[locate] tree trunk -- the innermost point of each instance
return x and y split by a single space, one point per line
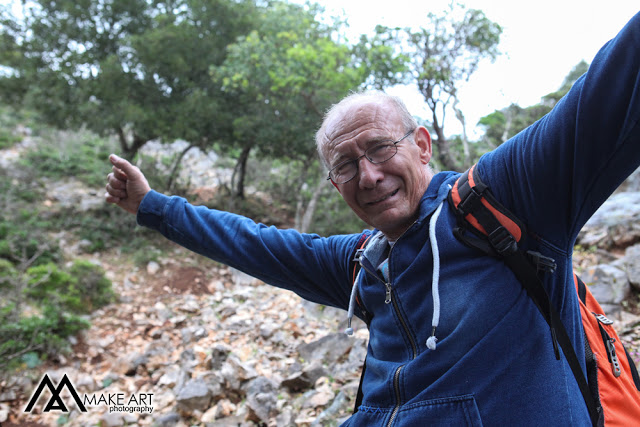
445 156
129 150
239 173
507 126
297 222
307 218
176 167
465 140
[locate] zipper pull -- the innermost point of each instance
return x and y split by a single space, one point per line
615 363
609 344
387 299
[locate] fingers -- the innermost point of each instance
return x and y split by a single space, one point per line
117 184
126 185
119 174
111 199
126 168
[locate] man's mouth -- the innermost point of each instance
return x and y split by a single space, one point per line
382 199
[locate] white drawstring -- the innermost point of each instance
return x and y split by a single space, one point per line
431 341
352 304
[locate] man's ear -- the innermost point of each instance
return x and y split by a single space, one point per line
423 141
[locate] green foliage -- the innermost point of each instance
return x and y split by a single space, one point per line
8 274
442 54
552 98
20 239
44 334
143 76
282 181
284 74
81 289
13 123
82 155
503 124
8 139
39 299
94 286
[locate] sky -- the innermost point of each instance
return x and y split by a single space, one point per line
542 41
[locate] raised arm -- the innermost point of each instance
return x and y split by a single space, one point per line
557 172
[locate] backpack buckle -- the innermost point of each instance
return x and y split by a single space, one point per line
470 202
358 255
503 242
542 262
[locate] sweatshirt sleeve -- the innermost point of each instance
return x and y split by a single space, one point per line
556 173
314 267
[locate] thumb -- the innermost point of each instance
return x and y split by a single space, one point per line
131 171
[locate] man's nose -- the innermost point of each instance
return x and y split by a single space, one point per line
369 173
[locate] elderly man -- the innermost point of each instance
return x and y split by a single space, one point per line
454 339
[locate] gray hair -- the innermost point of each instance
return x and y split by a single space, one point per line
375 97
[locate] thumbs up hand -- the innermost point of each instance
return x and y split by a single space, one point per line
126 185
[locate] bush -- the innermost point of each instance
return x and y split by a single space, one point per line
81 290
46 334
8 139
57 297
95 287
8 274
22 237
82 155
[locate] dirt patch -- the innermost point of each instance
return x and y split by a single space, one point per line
184 280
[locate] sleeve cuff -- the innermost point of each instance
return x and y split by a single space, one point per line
151 210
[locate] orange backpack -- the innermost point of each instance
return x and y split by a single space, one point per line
612 388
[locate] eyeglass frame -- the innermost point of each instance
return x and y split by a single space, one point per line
356 161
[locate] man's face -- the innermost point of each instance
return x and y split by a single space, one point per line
385 196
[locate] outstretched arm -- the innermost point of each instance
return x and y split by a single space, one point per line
126 185
314 267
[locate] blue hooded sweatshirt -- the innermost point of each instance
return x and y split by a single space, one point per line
491 359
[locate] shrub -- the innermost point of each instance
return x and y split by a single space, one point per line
21 238
80 290
41 308
51 286
8 139
95 287
46 334
79 154
8 274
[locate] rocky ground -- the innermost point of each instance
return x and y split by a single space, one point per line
206 345
213 347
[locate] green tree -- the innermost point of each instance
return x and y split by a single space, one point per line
283 75
503 124
443 54
134 68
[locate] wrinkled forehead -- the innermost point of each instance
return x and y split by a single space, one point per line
352 120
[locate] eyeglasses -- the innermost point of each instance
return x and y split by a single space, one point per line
379 153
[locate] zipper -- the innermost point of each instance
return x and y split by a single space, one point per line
609 344
390 300
414 348
396 388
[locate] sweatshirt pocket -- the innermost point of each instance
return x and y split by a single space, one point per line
449 411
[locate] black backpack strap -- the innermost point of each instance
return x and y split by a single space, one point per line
360 394
481 214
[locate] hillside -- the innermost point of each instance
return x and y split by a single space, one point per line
208 345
